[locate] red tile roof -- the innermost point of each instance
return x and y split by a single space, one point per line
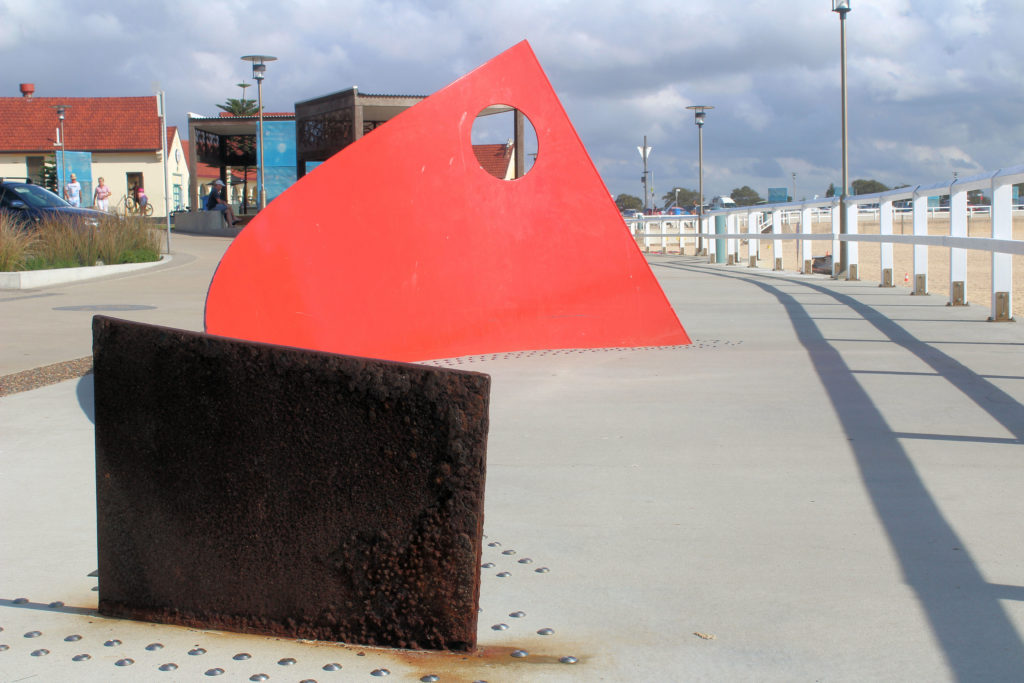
205 173
494 158
91 124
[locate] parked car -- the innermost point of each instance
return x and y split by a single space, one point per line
28 204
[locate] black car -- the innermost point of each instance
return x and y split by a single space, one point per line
28 203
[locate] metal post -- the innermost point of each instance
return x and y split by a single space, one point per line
263 177
842 8
161 108
644 152
259 70
700 184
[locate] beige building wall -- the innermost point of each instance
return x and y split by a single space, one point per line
114 169
13 166
177 174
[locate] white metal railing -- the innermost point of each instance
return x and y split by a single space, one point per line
765 221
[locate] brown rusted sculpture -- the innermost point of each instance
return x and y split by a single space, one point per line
259 488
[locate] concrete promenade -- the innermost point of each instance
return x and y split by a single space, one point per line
827 485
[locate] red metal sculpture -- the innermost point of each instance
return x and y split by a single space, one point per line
402 247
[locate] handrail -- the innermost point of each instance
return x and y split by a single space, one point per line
1001 243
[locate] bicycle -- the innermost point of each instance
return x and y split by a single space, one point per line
132 207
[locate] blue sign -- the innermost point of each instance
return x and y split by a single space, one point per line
778 195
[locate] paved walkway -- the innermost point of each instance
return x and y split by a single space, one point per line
825 486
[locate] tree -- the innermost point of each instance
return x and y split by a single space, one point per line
745 196
238 107
628 201
867 186
687 197
831 191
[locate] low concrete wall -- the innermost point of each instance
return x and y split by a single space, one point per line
204 223
30 279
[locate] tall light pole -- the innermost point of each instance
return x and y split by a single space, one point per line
161 110
645 151
259 70
842 7
62 176
243 86
794 186
698 118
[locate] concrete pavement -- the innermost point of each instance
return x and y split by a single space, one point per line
52 324
825 486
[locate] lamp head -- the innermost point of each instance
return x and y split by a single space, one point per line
259 64
841 6
699 112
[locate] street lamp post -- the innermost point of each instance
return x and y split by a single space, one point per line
62 176
842 7
259 70
794 186
645 151
699 112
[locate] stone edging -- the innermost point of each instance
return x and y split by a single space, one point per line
30 279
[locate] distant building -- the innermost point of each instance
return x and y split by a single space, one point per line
114 138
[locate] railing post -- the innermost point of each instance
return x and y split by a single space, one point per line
647 237
776 244
710 245
885 256
806 256
1002 264
957 256
920 250
836 208
753 228
852 252
733 249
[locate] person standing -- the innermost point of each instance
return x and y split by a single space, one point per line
73 192
101 197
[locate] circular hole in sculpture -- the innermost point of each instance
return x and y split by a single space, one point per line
504 141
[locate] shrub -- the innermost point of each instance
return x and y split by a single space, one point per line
57 242
61 243
130 239
15 244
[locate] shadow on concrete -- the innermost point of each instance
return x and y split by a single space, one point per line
976 636
83 391
21 603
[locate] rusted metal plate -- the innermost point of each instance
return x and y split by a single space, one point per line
259 488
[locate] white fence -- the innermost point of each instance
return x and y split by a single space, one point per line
765 221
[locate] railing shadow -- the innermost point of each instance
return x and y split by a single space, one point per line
977 638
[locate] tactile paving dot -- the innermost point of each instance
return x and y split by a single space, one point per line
71 642
698 344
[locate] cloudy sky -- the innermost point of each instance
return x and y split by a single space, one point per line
934 87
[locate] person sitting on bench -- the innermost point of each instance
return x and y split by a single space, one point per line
215 202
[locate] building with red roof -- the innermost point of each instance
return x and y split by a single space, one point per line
114 138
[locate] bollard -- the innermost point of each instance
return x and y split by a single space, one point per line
887 278
851 274
1002 307
920 284
956 295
